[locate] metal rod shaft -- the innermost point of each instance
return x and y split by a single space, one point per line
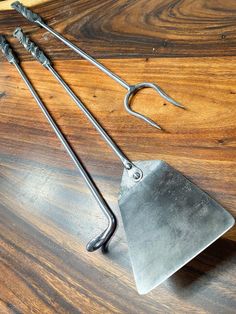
35 18
103 239
83 54
101 202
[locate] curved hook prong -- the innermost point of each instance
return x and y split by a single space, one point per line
135 88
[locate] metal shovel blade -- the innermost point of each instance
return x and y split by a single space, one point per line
168 220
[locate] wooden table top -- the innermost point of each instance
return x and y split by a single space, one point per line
47 213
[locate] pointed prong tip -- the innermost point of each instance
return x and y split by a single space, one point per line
177 104
182 107
158 127
155 125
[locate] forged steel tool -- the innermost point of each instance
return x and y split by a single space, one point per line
103 239
132 89
168 220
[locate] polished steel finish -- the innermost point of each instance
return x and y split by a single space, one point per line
34 50
103 239
168 221
132 89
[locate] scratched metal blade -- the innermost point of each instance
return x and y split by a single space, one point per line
168 221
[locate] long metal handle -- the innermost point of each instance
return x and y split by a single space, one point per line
103 239
86 56
35 18
133 171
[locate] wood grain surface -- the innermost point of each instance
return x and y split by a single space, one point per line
47 213
154 28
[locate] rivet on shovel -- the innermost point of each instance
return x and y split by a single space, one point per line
167 219
102 240
132 89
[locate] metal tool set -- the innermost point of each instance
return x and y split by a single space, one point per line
167 219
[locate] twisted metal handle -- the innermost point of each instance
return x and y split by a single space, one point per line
29 15
31 47
7 51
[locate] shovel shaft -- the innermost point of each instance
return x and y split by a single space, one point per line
91 118
133 171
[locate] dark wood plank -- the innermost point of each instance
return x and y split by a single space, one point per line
47 214
107 28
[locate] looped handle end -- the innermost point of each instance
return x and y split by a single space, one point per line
134 89
28 14
96 243
102 240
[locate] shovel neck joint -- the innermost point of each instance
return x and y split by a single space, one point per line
133 171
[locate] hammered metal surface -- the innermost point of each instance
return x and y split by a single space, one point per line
168 220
